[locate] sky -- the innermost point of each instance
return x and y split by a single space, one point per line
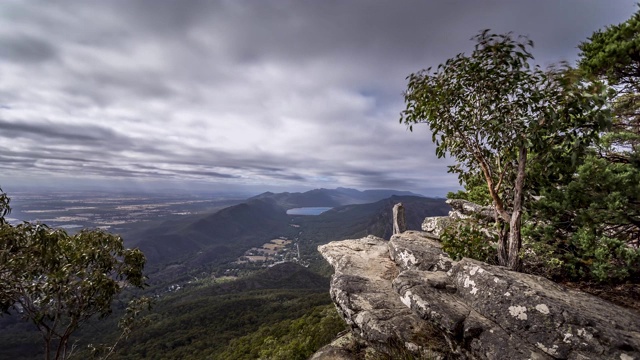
233 94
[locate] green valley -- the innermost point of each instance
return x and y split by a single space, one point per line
211 303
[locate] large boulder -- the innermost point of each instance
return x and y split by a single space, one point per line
345 347
408 292
361 289
463 209
563 323
416 250
469 334
435 225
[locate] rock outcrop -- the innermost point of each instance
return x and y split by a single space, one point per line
407 292
460 209
463 208
362 290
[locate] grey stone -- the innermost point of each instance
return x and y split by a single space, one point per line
414 250
563 323
435 225
481 311
361 289
464 208
469 334
399 220
344 347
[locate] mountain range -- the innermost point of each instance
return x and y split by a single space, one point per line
330 197
199 312
195 241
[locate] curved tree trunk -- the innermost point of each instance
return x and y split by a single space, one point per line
515 225
503 257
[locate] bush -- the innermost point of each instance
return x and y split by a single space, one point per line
468 238
584 254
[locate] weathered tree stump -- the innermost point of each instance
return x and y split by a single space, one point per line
399 222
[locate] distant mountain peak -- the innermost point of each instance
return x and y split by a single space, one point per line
331 197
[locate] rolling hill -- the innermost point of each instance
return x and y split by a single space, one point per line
176 247
330 197
355 221
206 318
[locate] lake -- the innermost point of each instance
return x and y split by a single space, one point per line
308 210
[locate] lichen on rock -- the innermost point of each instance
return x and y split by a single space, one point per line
408 291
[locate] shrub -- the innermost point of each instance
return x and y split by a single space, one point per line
468 238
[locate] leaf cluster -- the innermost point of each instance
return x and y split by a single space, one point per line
587 222
591 225
481 108
614 53
468 238
59 281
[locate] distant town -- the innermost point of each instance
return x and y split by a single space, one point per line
116 213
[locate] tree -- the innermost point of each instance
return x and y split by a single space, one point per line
614 56
593 221
58 281
495 114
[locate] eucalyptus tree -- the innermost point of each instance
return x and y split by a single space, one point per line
59 281
496 114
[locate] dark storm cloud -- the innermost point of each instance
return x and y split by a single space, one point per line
273 92
13 161
26 49
69 133
31 156
207 174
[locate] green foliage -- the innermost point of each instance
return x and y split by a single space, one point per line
59 281
288 339
614 52
130 322
542 258
193 325
475 190
472 102
593 222
199 320
495 113
586 225
466 238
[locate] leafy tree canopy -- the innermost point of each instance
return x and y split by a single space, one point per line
613 54
58 281
494 112
591 225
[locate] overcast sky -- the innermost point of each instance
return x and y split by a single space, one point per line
244 94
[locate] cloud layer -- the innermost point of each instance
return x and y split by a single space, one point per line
244 93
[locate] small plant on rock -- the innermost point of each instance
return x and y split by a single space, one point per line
468 238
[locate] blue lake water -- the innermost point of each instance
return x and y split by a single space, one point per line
308 210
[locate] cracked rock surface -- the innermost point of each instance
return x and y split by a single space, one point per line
361 289
408 291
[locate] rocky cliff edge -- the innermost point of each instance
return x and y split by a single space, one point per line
406 296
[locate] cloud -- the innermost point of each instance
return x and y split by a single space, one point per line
275 93
26 49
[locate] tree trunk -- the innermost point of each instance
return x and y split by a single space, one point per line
503 236
46 337
515 225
